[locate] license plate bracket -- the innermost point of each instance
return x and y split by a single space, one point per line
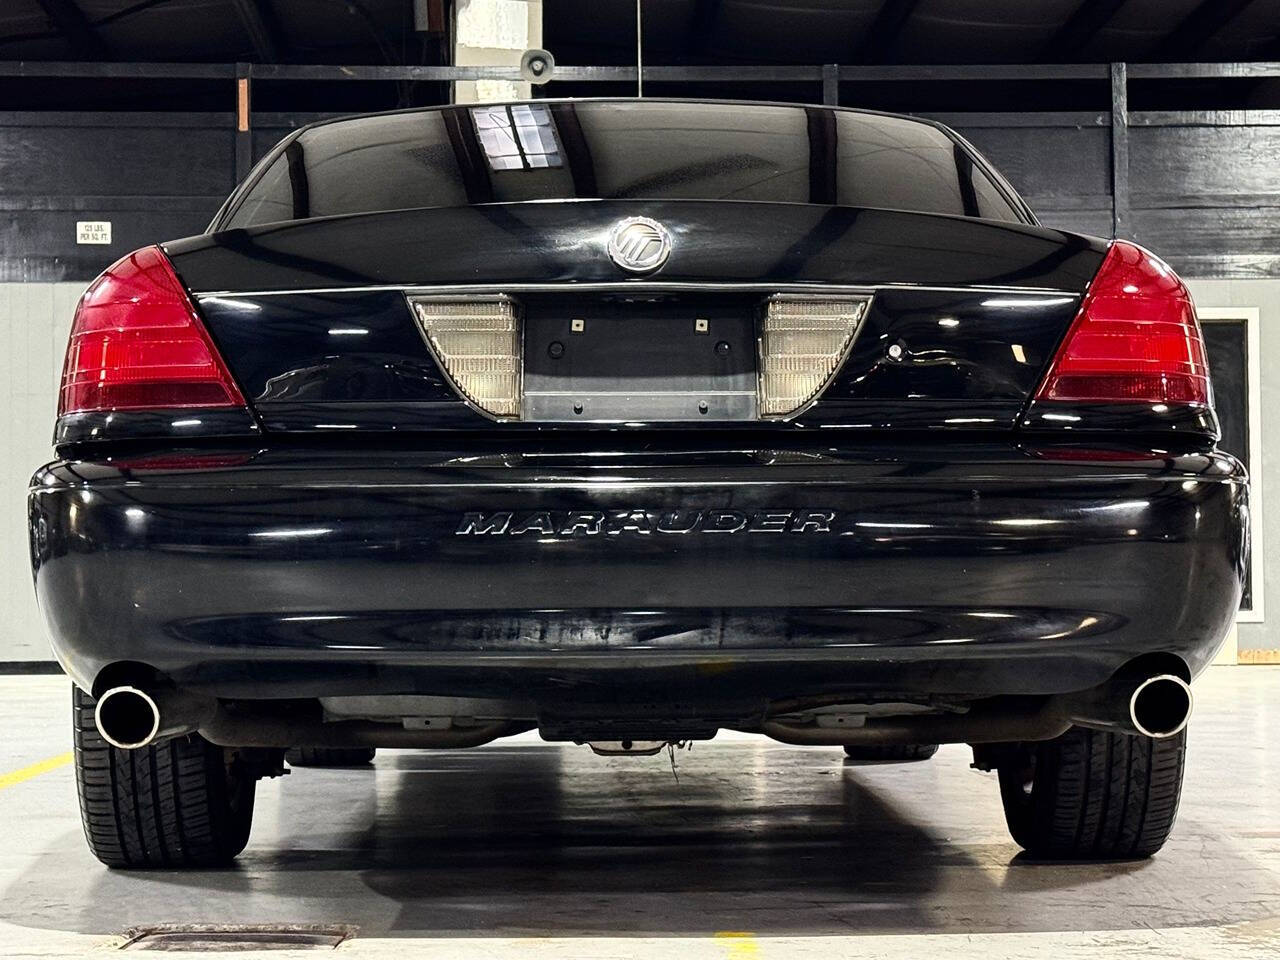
649 362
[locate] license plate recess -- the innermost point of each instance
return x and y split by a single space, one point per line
626 359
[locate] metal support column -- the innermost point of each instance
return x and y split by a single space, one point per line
831 84
244 133
1121 225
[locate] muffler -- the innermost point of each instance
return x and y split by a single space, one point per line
1132 702
1157 706
984 724
130 717
229 728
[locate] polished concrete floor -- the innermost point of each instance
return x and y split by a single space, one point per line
752 849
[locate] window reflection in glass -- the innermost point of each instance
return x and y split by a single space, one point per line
518 137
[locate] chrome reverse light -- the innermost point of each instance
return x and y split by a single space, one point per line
477 344
803 341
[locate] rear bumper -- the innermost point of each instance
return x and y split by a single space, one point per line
946 571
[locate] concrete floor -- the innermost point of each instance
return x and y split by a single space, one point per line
759 850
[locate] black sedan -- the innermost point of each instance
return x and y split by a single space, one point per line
629 422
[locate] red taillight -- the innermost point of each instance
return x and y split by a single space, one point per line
138 343
1135 340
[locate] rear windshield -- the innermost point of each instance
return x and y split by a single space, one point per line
642 150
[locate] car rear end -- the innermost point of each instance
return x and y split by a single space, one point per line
799 425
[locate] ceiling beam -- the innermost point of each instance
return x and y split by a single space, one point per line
1081 27
1197 27
260 26
70 21
884 31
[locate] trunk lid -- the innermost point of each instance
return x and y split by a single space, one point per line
314 321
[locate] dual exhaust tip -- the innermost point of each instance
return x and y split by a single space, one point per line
1142 704
1158 706
129 717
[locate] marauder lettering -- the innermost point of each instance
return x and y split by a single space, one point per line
640 522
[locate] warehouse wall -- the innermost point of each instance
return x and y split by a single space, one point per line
34 321
1203 185
1265 296
153 176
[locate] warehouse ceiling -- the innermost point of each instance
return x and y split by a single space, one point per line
916 31
680 32
676 31
277 31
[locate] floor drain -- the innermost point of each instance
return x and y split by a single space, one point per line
225 938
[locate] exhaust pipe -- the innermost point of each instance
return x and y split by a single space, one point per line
1131 702
228 729
1156 706
1161 706
130 717
978 726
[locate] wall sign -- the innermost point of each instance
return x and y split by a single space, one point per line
93 231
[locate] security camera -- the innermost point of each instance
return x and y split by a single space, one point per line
536 65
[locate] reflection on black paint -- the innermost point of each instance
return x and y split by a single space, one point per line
647 150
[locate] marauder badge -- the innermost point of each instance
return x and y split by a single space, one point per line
590 523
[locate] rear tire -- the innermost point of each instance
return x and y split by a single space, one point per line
181 803
891 752
329 756
1090 795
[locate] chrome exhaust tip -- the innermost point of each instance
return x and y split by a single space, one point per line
130 718
1140 704
1160 706
127 717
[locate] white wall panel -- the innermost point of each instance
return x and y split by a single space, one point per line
1265 296
34 321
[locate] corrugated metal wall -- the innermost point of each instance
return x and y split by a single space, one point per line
1205 186
155 176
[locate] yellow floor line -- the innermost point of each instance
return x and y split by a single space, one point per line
26 773
738 944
